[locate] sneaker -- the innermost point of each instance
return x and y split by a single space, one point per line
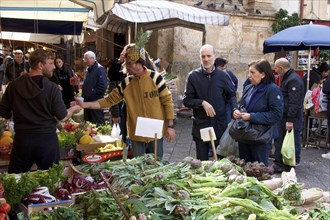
298 164
326 156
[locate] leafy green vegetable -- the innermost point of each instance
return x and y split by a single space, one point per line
291 191
104 128
16 186
66 139
72 213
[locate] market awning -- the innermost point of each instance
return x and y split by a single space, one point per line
19 36
41 16
160 14
99 7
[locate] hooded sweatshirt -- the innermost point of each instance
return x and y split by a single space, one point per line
35 108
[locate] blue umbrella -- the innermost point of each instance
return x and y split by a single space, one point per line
301 37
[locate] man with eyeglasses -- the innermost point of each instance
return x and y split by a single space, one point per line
17 67
94 87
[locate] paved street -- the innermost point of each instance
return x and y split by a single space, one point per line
314 170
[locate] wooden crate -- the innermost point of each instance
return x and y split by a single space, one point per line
43 206
90 148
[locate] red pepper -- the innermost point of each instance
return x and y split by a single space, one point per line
4 208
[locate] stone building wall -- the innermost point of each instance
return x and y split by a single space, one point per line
240 42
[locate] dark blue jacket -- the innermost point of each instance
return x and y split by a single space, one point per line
214 88
95 83
233 78
293 95
268 109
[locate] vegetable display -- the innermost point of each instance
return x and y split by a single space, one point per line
191 189
16 187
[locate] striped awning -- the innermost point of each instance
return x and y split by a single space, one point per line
99 7
160 14
150 11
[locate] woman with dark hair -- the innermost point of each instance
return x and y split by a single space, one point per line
61 76
261 103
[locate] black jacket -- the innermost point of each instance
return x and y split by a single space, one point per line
216 88
315 77
293 95
326 88
34 108
95 83
62 77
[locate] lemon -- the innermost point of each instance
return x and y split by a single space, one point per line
85 139
7 134
86 132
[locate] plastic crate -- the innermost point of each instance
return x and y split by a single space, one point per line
28 210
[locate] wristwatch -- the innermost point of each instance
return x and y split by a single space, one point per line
170 126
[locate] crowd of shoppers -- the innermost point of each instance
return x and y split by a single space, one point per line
135 90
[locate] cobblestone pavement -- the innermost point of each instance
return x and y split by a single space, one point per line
314 170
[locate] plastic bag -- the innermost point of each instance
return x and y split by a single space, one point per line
288 149
115 131
227 145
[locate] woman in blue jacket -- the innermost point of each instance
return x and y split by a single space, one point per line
261 103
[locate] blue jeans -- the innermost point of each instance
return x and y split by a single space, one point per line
140 148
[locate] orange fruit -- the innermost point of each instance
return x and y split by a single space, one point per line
6 140
7 133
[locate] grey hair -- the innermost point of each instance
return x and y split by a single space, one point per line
207 46
90 54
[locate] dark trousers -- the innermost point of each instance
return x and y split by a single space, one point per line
297 125
42 149
94 116
253 152
328 120
202 148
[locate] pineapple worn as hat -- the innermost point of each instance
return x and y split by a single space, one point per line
137 51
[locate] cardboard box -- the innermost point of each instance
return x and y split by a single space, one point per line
43 206
91 148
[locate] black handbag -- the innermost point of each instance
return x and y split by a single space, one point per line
249 133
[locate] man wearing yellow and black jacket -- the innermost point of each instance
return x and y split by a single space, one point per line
145 95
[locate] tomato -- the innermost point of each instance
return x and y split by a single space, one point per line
5 208
3 216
